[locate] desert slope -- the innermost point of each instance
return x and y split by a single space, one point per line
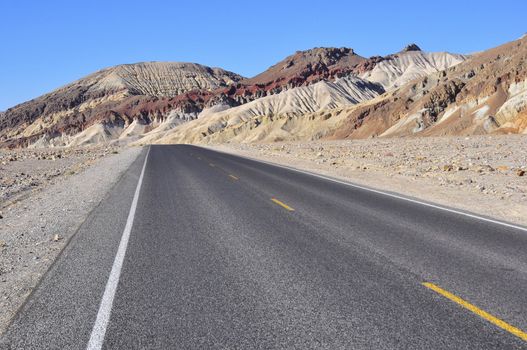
396 70
114 96
232 124
146 102
295 115
486 94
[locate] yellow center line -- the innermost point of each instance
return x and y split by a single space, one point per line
481 313
283 205
233 177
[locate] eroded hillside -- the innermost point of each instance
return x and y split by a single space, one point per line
112 97
485 94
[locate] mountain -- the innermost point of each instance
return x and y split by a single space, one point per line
231 124
296 117
114 96
304 67
411 63
131 100
160 101
486 94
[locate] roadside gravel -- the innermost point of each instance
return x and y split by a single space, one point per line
36 226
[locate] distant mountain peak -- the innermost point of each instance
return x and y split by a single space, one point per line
308 66
327 50
411 47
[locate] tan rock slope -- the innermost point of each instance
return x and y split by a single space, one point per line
253 121
411 63
487 94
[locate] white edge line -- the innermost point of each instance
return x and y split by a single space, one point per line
103 315
474 216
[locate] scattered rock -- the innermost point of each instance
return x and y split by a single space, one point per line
483 168
520 172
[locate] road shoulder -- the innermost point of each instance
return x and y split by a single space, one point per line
36 229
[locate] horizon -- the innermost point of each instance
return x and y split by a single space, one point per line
99 39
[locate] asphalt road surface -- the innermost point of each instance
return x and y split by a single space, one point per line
195 249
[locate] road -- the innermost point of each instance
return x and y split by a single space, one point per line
196 249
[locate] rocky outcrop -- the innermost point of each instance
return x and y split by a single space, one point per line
436 102
411 47
305 67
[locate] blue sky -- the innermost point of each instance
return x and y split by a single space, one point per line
46 44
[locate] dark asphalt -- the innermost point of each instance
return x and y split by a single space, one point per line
213 263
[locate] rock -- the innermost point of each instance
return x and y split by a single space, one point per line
483 168
411 47
502 168
448 167
56 238
520 172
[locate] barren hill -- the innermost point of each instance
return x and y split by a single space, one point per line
485 94
249 122
262 121
130 100
411 63
307 66
312 94
482 94
116 95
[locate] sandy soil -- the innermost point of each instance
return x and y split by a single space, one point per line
45 195
482 174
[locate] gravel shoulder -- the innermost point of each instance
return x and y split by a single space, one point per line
45 196
480 174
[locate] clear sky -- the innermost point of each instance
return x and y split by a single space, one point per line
46 44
